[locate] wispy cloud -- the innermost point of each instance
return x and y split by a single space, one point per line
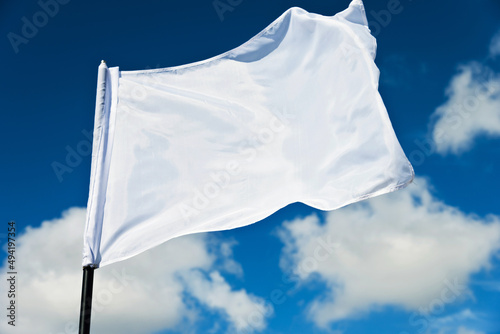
396 71
495 45
458 323
463 330
490 286
406 249
455 318
142 295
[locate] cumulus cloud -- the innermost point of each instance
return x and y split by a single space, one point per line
472 109
244 311
142 295
405 249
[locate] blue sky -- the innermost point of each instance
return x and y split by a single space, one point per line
421 260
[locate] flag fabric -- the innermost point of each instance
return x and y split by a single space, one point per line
292 115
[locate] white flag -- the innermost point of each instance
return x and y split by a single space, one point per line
292 115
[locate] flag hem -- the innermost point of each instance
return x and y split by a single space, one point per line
259 217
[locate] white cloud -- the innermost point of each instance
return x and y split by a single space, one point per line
455 318
463 330
458 323
244 311
472 109
489 286
495 45
229 265
141 295
404 249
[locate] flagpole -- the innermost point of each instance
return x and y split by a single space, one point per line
86 303
88 271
